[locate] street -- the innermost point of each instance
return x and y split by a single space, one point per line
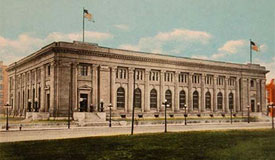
76 132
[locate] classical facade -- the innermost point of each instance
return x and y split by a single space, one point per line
3 85
80 76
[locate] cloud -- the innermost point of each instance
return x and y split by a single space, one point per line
122 27
200 57
269 66
183 35
231 47
26 43
263 48
177 40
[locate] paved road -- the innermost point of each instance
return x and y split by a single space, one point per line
75 132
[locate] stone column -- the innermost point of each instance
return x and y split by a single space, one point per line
202 109
161 91
214 108
190 94
42 86
146 91
237 95
226 106
263 96
113 89
176 90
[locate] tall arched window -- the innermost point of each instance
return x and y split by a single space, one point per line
153 98
120 97
219 100
195 100
182 99
168 97
231 100
208 100
137 98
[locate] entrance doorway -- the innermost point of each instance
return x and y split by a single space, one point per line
83 102
253 105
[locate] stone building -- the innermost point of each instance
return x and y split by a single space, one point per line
80 75
3 85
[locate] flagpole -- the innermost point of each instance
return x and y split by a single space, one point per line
83 23
250 51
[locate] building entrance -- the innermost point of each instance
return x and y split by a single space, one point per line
253 105
83 102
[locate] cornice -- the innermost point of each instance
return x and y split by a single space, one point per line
57 47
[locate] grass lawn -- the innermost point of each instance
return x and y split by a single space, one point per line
241 144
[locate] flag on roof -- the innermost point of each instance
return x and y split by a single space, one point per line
254 46
87 15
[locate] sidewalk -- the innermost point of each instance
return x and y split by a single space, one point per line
77 132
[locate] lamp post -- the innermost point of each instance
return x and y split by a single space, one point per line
29 105
35 104
165 117
101 105
231 115
110 118
185 114
271 105
7 106
248 112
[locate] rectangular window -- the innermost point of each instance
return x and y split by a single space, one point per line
49 70
83 70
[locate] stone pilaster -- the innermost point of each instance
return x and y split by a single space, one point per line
226 105
248 93
190 94
42 86
52 88
104 85
75 87
214 108
202 106
244 94
161 91
237 95
176 90
258 95
146 91
263 96
130 89
113 89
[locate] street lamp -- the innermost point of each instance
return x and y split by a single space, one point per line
36 102
271 105
231 115
248 109
110 118
29 105
166 104
185 114
101 105
7 106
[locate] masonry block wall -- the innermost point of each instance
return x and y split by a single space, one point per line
79 76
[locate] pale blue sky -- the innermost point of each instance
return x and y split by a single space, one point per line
213 29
